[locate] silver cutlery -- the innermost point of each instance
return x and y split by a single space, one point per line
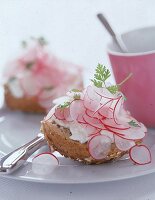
117 39
18 157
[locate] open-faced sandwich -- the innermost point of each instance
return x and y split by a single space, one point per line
36 77
92 126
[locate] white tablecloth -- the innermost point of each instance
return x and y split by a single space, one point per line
142 188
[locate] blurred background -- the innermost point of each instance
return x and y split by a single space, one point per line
71 27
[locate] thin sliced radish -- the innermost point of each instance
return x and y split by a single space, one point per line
90 104
94 114
61 100
80 120
59 113
140 154
110 123
123 144
91 98
129 134
77 109
92 95
93 122
109 134
50 113
44 164
105 110
99 146
90 130
117 108
67 115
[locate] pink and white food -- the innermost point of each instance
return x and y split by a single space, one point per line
38 73
96 116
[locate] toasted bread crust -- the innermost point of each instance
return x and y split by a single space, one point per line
26 104
58 138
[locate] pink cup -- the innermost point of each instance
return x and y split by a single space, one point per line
140 88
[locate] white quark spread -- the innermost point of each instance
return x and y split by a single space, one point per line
78 132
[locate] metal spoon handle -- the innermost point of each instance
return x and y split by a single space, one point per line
108 27
18 157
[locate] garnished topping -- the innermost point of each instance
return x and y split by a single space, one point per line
24 44
12 79
101 75
76 96
99 111
42 41
29 64
64 105
48 88
76 90
41 75
133 123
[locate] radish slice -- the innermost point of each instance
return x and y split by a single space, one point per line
44 164
109 134
140 154
105 110
99 146
59 113
91 99
51 113
94 114
61 100
77 109
92 95
123 144
90 130
90 104
129 134
67 115
93 122
111 124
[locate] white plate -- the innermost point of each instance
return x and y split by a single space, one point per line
18 128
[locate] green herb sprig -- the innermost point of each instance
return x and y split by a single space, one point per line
64 105
100 77
133 123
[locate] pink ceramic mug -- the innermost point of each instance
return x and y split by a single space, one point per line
140 88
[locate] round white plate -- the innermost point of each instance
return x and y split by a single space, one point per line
18 128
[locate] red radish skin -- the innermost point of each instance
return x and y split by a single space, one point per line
59 113
139 146
48 153
76 109
93 122
67 115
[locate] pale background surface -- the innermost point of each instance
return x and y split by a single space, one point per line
74 34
